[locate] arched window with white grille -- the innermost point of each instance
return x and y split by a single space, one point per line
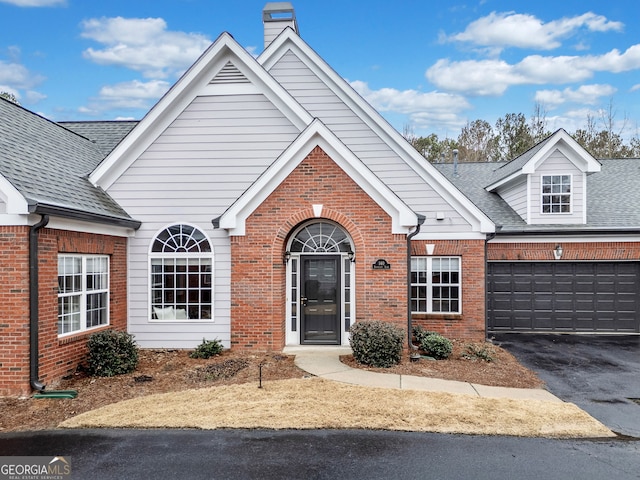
181 266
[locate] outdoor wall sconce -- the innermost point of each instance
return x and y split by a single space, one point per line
351 256
557 252
287 256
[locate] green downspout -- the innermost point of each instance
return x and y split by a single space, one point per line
421 219
34 351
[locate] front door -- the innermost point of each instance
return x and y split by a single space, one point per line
320 299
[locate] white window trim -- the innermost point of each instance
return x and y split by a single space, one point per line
84 292
429 285
156 255
542 194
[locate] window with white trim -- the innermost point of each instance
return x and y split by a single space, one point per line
83 292
435 285
556 194
181 263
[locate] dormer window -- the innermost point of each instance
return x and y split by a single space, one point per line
556 194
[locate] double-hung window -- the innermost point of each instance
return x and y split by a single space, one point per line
435 285
556 194
181 262
83 292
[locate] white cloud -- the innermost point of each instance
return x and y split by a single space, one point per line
585 95
18 76
135 89
131 95
31 97
510 29
36 3
422 109
494 77
143 44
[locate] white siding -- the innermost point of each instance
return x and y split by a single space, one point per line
322 103
192 173
558 164
516 197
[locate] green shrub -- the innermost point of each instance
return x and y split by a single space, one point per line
207 349
420 333
483 351
111 353
437 346
376 343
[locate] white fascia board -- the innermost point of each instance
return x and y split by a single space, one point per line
403 218
289 40
11 220
430 235
504 182
72 225
195 82
571 149
16 203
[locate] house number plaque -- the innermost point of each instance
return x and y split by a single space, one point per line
381 265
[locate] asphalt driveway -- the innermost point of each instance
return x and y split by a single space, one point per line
600 374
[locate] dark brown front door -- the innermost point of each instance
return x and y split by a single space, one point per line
320 299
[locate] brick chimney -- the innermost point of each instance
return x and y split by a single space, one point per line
277 16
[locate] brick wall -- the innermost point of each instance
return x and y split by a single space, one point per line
258 272
14 310
58 356
471 324
576 251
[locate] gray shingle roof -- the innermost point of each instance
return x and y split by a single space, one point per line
105 134
49 166
612 205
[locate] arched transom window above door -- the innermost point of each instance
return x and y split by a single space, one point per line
321 237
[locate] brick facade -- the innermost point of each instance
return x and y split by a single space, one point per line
258 272
58 357
571 251
471 324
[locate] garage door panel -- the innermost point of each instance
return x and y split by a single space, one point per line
564 296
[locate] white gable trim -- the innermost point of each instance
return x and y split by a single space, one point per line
289 40
317 134
16 203
561 141
194 82
571 149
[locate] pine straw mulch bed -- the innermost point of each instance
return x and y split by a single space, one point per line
162 371
502 371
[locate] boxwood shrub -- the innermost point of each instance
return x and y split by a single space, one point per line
436 345
111 353
207 349
376 343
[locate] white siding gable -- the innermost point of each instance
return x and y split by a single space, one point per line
558 164
517 197
320 101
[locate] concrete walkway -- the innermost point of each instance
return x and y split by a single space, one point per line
325 362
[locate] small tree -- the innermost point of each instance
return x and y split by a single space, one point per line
9 96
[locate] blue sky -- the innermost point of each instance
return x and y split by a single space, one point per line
430 66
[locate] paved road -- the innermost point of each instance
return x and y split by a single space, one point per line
600 374
307 455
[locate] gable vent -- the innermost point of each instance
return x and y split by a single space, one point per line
229 74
